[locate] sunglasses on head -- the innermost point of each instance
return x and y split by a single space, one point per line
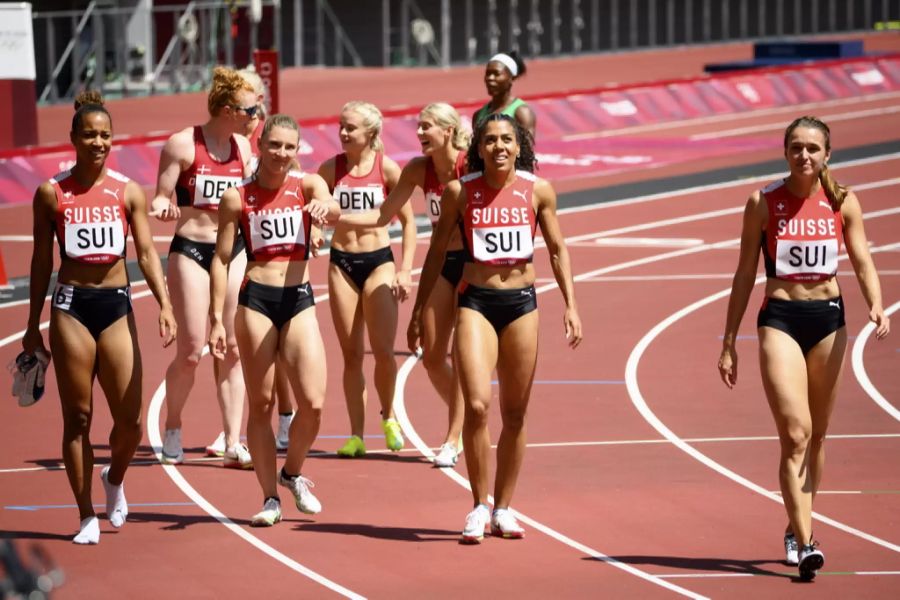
250 111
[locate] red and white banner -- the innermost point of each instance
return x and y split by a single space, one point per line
266 63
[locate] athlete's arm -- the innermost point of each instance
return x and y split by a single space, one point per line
863 265
43 208
321 206
755 216
148 259
177 152
452 202
229 214
412 175
402 278
527 119
545 197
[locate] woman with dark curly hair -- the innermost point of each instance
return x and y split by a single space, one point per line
498 205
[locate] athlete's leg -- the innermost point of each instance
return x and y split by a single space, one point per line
188 285
824 365
380 313
229 377
119 372
74 357
785 381
257 339
517 358
437 325
346 312
475 365
302 353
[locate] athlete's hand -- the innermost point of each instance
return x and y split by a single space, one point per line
728 362
402 285
882 322
316 241
217 340
572 323
163 209
414 332
167 326
318 210
33 341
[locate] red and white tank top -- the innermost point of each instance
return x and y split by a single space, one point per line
91 224
433 188
499 225
203 183
273 221
358 194
803 236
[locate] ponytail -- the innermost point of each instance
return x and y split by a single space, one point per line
88 102
834 191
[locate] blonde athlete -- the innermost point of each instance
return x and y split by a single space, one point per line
444 143
363 285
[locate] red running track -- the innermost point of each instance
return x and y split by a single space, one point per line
599 479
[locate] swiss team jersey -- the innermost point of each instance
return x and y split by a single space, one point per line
273 221
803 236
358 194
433 188
91 224
203 183
499 225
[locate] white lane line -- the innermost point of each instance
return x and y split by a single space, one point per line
598 443
847 116
792 109
697 189
700 277
153 414
859 368
413 436
786 573
634 392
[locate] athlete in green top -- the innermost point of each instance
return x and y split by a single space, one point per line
501 70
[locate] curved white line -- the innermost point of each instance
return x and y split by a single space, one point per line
153 415
634 392
859 368
413 436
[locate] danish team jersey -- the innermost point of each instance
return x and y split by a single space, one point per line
803 236
203 183
499 225
91 224
433 188
273 221
358 194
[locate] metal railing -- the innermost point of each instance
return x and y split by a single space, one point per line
181 43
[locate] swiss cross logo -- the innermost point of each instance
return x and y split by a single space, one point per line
251 199
203 170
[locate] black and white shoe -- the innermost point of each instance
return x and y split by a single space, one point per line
811 559
791 550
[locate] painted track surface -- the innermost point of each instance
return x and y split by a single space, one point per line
597 472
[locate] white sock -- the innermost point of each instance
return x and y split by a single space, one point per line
116 506
89 533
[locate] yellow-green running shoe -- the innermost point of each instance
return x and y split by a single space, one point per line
355 446
393 435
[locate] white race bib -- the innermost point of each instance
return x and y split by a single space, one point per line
277 229
795 259
85 240
502 243
359 199
208 189
433 206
